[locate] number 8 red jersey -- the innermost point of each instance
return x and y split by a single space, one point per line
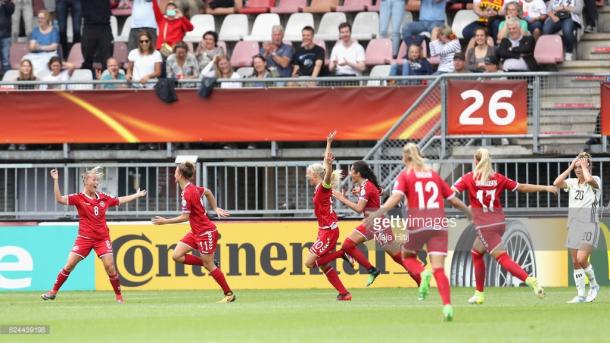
92 214
485 197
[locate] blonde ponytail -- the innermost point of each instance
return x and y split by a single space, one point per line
319 170
483 169
96 171
412 155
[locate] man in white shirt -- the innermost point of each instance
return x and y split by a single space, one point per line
347 56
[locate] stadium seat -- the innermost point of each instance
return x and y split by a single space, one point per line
289 6
257 6
81 75
202 23
234 27
365 26
354 5
321 6
120 52
378 51
223 45
10 75
243 53
461 20
261 30
124 36
295 25
549 49
245 72
378 71
76 56
114 27
16 53
375 7
329 25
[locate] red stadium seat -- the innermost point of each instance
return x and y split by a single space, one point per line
354 6
76 56
120 52
321 6
243 53
378 51
18 50
289 6
375 7
257 6
549 49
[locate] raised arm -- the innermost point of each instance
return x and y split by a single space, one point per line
212 200
585 172
132 197
328 159
58 197
560 181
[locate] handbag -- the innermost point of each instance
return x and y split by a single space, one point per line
166 90
207 86
563 15
166 48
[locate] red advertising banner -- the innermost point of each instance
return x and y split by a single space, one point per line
605 108
496 107
229 115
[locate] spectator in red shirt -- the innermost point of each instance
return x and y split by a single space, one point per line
172 25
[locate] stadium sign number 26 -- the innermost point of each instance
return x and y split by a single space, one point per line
494 107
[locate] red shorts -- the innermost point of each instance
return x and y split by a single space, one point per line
325 243
491 236
436 241
383 236
205 243
83 245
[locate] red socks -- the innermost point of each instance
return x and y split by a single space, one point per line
220 280
116 284
61 278
505 261
333 278
350 247
414 267
326 259
192 260
442 283
479 270
398 259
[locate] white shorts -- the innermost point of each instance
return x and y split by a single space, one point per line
581 234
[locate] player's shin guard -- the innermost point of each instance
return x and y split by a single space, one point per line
116 284
479 270
442 283
414 267
333 278
61 278
505 261
590 275
192 260
326 259
350 247
579 281
398 259
220 280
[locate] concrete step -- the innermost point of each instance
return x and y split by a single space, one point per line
580 128
585 66
495 150
586 49
576 91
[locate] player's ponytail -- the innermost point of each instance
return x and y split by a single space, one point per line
366 172
187 169
483 169
411 155
319 170
96 171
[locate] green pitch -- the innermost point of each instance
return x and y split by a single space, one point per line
375 315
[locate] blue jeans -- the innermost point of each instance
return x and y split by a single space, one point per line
417 27
394 9
61 8
404 68
566 26
5 48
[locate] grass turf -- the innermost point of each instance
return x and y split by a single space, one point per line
374 315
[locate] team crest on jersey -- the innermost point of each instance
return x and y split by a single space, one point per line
102 204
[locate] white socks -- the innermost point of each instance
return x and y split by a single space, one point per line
579 281
590 275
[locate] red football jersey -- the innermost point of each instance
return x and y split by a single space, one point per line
485 197
425 192
92 214
370 193
192 203
323 207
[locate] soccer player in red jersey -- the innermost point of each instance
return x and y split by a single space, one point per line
92 228
485 188
324 179
425 191
203 236
369 200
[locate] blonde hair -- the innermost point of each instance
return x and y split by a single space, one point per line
319 170
586 156
411 153
96 171
483 169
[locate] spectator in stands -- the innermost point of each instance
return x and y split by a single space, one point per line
517 50
534 12
564 15
223 6
590 12
182 64
459 63
58 71
308 59
23 8
479 48
44 42
444 45
142 19
259 64
221 69
26 73
112 72
7 7
62 7
492 65
431 15
414 65
208 49
393 10
173 26
277 53
144 62
513 10
96 43
488 11
347 56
